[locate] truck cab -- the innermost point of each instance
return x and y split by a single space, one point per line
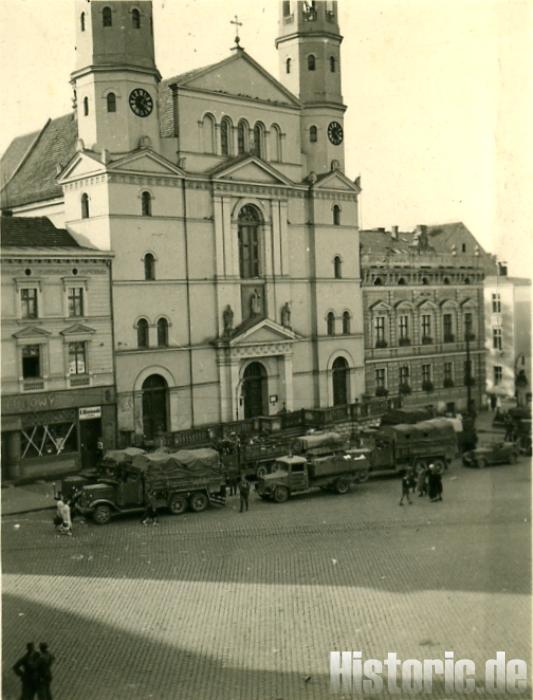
290 475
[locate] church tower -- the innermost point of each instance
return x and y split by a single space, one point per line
310 66
116 79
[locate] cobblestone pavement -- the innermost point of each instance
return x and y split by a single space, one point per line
229 606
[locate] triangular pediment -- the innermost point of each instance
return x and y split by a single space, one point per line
251 169
263 332
31 332
380 306
82 164
78 329
335 180
239 76
145 161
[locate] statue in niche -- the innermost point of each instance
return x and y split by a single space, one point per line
255 303
227 316
286 315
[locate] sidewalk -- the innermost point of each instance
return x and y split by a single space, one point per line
17 500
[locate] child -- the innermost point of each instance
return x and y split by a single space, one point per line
406 487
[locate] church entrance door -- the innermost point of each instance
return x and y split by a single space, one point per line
255 390
340 382
155 392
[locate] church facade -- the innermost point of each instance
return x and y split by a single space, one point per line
222 195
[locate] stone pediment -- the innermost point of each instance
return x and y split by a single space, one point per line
82 164
251 169
239 76
263 332
31 332
380 306
78 329
335 180
145 161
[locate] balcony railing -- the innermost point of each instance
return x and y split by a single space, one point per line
381 343
404 389
427 340
448 383
427 385
449 338
382 391
402 342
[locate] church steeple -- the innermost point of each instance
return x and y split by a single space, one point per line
310 66
115 78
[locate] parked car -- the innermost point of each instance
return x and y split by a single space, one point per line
497 453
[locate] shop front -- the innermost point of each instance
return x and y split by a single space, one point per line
52 433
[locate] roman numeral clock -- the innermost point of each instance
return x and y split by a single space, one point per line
141 103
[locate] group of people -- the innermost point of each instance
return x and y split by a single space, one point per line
427 481
242 486
35 672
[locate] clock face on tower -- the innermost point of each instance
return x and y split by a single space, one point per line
140 102
335 133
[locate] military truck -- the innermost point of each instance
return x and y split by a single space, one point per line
298 474
180 480
400 447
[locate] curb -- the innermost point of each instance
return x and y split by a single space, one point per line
28 510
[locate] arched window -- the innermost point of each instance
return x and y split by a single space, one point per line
288 65
208 134
107 17
84 206
331 323
425 280
336 215
340 376
136 19
225 136
401 281
311 62
446 280
378 282
332 64
259 140
249 255
142 333
467 280
85 106
82 21
242 137
313 134
111 102
346 323
275 143
337 267
149 267
146 204
162 333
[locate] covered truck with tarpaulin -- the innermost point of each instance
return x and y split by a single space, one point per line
187 479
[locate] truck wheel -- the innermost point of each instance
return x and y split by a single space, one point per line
440 465
102 514
362 476
178 504
342 486
281 494
261 471
198 502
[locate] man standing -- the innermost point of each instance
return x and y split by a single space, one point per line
63 513
27 669
244 492
46 659
406 488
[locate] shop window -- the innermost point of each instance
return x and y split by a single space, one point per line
77 358
31 361
75 301
330 323
142 333
136 19
47 440
28 303
111 102
162 333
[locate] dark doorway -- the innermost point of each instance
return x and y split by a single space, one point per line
154 406
254 390
90 431
340 382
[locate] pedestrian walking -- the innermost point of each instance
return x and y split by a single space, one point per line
434 484
150 514
27 669
46 659
244 493
63 520
406 487
421 481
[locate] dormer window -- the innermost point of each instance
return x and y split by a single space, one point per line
82 21
107 17
311 62
111 102
136 19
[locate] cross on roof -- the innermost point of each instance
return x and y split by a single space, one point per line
237 24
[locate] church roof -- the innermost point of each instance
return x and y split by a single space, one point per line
29 164
38 231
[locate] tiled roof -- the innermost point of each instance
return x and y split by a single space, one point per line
33 232
35 179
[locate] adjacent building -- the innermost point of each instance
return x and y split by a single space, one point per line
58 395
222 194
423 315
508 338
